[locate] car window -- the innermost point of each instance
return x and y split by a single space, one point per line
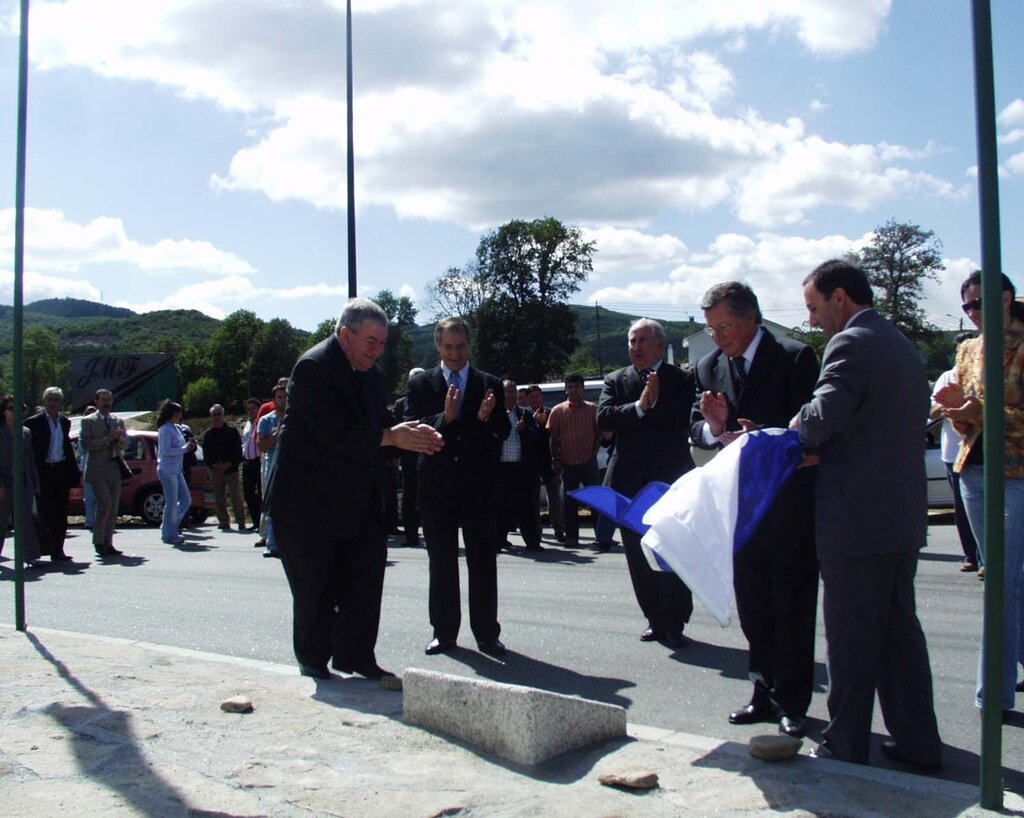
133 451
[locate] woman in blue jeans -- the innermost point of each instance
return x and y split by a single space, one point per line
964 406
171 451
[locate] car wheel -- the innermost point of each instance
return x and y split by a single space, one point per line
151 508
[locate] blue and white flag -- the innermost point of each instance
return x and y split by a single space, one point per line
709 513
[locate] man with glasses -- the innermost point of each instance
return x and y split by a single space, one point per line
58 472
754 380
222 451
647 406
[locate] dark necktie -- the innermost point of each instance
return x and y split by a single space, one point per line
645 374
739 371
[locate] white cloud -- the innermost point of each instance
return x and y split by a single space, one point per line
37 286
772 264
471 113
214 297
1012 114
631 250
1014 165
811 173
55 244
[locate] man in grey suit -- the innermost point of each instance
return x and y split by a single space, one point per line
865 422
104 438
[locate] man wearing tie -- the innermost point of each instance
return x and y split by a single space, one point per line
753 380
458 487
58 472
325 493
647 406
104 438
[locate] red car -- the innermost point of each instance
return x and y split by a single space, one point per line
142 495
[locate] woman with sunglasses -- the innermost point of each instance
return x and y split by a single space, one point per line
963 404
30 543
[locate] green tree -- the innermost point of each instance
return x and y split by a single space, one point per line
395 360
200 396
899 259
524 328
582 362
230 353
192 363
274 353
325 329
41 362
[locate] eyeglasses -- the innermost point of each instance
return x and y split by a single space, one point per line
968 306
719 329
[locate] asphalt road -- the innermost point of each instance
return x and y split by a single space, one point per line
569 620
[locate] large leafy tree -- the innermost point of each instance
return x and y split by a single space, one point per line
395 360
274 352
42 365
230 353
899 259
526 272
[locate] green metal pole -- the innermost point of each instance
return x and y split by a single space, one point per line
350 162
19 270
992 330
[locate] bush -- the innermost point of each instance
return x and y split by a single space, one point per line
200 395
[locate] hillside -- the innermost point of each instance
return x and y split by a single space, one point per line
95 327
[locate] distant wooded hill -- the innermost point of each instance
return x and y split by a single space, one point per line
85 326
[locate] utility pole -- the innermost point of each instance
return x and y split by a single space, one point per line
597 322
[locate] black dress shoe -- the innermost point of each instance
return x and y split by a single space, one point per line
437 646
649 636
793 726
108 551
753 714
60 558
560 536
494 647
892 752
823 751
673 639
315 671
367 671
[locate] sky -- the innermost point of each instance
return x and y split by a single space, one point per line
191 153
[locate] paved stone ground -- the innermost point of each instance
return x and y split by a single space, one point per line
95 726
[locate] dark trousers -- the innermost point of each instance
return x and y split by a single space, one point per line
52 503
336 587
517 482
574 477
479 532
252 489
875 641
968 544
663 597
410 492
776 584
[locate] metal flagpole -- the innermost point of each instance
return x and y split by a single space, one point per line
350 158
19 271
992 330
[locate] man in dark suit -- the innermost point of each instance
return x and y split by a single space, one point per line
753 380
458 487
325 493
518 472
58 472
866 422
647 406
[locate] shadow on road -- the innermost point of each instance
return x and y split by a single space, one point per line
108 752
517 668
